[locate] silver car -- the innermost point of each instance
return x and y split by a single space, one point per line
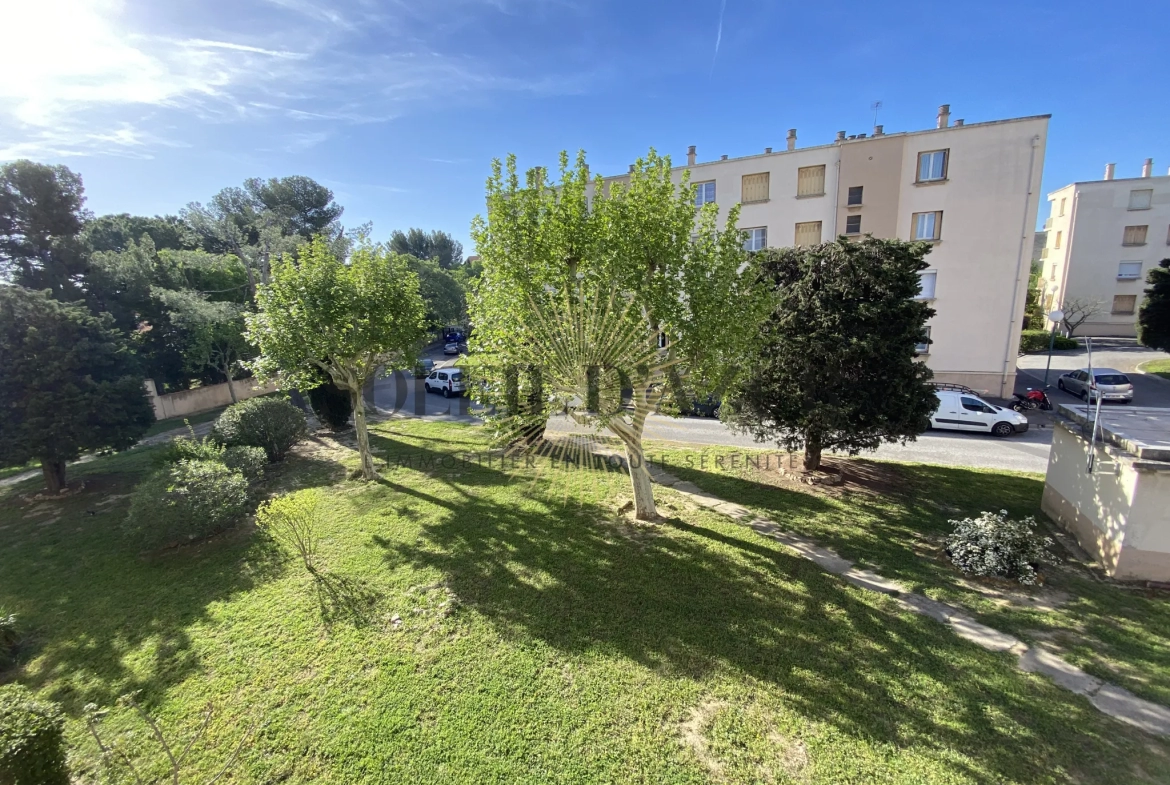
1109 383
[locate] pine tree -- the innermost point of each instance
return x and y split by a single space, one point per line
1154 317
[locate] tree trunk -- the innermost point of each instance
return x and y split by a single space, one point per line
363 436
644 507
54 472
678 391
812 454
227 372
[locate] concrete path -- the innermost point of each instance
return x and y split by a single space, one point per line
1115 701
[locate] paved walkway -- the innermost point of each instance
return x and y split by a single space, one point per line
1115 701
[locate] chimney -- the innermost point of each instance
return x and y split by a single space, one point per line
723 158
631 168
958 123
861 136
1148 167
767 150
691 155
1109 171
879 130
840 136
791 138
944 115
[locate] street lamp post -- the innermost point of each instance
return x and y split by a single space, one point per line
1056 317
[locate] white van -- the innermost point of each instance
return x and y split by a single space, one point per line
965 411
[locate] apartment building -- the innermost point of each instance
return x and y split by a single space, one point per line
970 189
1103 237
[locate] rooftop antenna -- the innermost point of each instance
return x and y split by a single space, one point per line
875 106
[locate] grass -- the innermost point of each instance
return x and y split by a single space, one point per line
9 471
1117 632
487 623
162 426
1157 367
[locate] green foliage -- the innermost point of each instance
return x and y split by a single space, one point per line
995 546
1154 317
41 215
332 405
212 332
69 383
185 501
32 743
273 424
444 249
192 448
294 520
117 232
441 292
1037 341
836 367
10 637
347 320
1034 316
248 461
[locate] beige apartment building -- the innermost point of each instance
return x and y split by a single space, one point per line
1103 237
970 189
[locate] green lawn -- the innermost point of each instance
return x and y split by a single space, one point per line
8 471
541 636
1158 367
162 426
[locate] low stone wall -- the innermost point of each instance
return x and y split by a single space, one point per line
201 399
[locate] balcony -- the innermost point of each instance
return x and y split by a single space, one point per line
1048 224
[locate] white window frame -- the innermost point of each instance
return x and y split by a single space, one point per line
1122 275
927 160
927 292
920 221
1147 197
757 238
704 193
849 218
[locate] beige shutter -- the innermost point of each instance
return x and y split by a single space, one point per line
1124 304
755 187
1135 235
808 233
810 181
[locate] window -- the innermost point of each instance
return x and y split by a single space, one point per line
808 233
755 187
853 224
756 239
810 181
1063 202
1052 275
1059 237
975 405
704 193
1129 270
924 346
1124 304
926 226
1134 235
928 280
855 195
1141 199
932 166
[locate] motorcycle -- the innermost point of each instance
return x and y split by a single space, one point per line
1032 399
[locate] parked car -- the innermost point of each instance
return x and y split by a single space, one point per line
959 411
451 347
1110 384
448 381
707 408
423 368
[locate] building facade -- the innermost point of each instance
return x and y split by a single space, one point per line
1103 238
972 190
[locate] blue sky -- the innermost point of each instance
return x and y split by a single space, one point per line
399 106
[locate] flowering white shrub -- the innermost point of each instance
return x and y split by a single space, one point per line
993 545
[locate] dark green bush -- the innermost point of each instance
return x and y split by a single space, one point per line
185 501
192 448
272 424
248 461
1037 341
332 405
32 746
9 638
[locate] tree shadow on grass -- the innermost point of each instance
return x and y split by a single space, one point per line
107 619
345 599
711 599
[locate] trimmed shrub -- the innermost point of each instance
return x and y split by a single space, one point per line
272 424
32 745
185 501
248 461
994 546
1037 341
293 520
192 448
332 405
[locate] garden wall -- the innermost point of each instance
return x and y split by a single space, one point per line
201 399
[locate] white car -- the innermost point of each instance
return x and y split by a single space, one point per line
448 381
961 411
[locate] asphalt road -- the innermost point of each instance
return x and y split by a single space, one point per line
1123 354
